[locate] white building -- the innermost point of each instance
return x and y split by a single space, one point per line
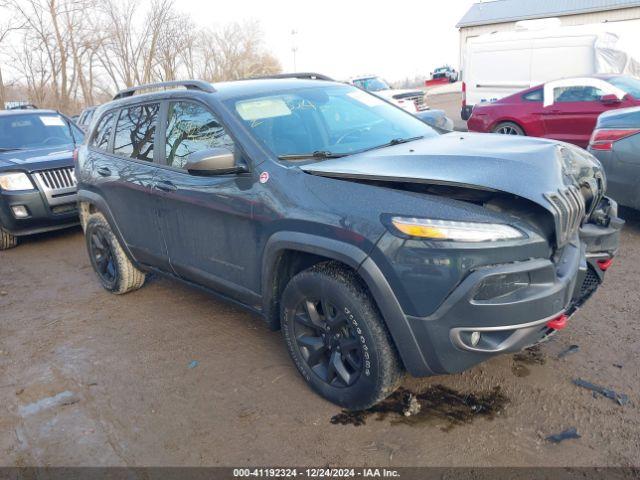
502 15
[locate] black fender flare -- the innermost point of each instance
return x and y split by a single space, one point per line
369 272
101 205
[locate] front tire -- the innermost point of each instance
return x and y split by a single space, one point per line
337 339
508 128
7 240
114 269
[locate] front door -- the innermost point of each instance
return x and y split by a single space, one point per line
207 220
572 106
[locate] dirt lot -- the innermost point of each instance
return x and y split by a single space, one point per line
169 375
451 103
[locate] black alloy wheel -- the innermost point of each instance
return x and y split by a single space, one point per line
327 342
102 256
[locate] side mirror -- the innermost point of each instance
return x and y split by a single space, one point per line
214 161
610 99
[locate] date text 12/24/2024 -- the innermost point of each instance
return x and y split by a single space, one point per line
315 473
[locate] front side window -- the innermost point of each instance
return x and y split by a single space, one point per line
577 94
103 132
36 130
192 128
135 132
335 119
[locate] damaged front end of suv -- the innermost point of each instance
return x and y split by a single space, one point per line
516 237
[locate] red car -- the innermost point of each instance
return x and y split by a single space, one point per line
564 110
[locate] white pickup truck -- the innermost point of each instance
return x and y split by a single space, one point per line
410 100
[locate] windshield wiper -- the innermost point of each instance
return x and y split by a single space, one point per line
9 149
319 154
391 143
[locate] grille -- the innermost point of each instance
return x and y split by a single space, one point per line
58 185
57 179
418 101
569 209
589 284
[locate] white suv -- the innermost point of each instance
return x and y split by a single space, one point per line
410 100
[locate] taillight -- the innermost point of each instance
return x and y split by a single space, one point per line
603 139
464 94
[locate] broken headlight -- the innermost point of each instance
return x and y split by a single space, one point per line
455 231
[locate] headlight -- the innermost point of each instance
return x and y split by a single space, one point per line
15 181
455 231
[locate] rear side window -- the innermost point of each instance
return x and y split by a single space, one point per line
103 132
192 128
535 96
135 132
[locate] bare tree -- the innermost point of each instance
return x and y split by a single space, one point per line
76 52
236 52
6 28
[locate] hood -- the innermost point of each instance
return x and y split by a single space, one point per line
398 94
530 168
37 158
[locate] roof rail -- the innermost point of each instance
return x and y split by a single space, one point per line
188 84
302 76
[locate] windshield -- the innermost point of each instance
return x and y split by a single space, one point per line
374 84
36 130
630 85
329 120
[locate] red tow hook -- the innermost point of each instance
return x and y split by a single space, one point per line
604 264
558 323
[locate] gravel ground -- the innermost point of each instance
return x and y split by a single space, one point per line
168 375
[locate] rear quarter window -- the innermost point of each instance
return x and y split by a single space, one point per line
534 96
102 133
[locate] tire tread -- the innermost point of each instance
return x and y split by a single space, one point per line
130 278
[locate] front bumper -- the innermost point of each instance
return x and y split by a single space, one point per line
518 318
41 216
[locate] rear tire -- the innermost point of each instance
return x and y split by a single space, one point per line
509 128
114 269
337 339
7 240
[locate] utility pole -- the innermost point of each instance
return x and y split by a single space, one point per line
294 48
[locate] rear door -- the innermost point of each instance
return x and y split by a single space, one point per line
126 175
206 220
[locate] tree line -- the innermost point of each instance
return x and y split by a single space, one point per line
68 54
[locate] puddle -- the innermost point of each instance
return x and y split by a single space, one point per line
437 405
530 356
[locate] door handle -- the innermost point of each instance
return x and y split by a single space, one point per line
104 172
166 186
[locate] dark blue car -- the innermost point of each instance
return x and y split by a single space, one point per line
37 179
616 143
377 244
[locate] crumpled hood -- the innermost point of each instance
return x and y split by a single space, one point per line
523 166
37 158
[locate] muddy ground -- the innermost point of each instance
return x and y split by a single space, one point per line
169 375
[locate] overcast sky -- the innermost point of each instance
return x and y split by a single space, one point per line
343 38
